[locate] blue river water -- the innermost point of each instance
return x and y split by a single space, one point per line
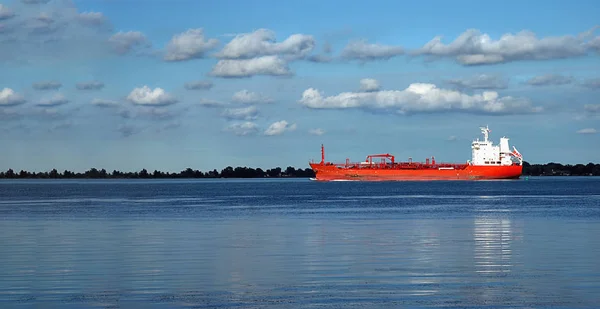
296 243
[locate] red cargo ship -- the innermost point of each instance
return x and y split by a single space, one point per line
487 162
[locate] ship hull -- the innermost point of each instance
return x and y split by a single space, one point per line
326 172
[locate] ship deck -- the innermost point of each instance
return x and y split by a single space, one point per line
396 166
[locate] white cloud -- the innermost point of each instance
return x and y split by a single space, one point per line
242 129
44 24
587 131
145 112
258 53
475 48
592 108
49 113
211 103
248 97
125 42
104 103
51 34
150 97
420 97
317 131
7 114
594 44
172 125
61 126
244 113
93 85
369 85
125 114
481 81
5 12
189 45
91 18
155 113
327 48
56 100
48 85
266 65
262 43
9 97
319 58
128 130
279 127
199 85
361 50
45 18
592 83
35 1
550 80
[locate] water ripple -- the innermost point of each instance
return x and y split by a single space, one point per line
271 245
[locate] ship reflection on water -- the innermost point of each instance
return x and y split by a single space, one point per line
493 252
493 265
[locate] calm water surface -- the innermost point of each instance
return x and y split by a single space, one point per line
296 243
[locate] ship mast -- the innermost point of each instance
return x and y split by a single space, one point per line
485 130
322 154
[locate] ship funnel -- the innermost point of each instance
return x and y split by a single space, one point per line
504 145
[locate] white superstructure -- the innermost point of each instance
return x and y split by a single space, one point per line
485 153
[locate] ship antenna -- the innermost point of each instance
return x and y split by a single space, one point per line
322 154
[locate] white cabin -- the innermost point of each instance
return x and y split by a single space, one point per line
486 153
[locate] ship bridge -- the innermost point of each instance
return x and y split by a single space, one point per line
484 152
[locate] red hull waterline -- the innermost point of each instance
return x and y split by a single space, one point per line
488 162
324 172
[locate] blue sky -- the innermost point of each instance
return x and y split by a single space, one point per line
174 84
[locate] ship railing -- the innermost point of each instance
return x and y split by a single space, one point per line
396 165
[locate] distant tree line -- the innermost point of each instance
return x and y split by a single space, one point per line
549 169
228 172
557 169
